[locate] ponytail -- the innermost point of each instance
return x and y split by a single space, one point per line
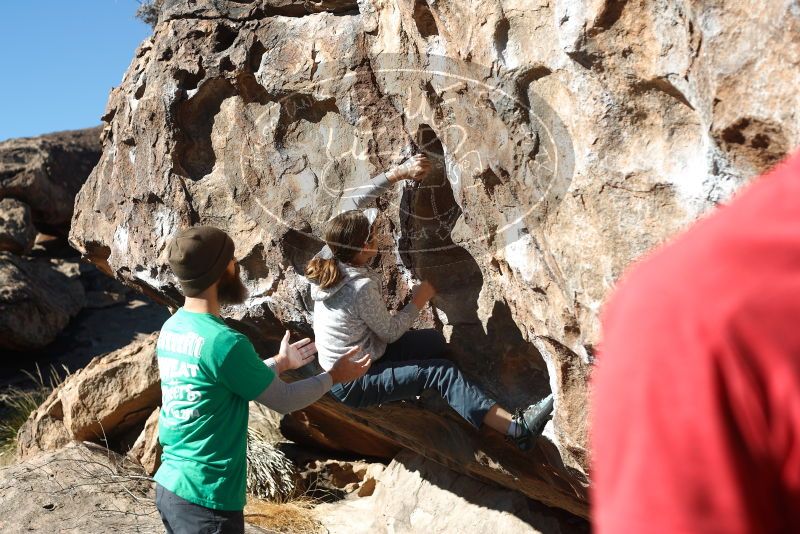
345 235
323 272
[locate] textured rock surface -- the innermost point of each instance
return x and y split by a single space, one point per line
38 297
146 449
312 427
574 137
265 422
105 401
47 171
79 488
17 233
341 477
44 430
416 495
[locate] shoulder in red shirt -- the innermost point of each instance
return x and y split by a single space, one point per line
696 391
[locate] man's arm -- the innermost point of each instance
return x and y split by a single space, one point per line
285 397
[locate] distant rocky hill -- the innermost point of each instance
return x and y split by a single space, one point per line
39 178
46 173
53 309
569 139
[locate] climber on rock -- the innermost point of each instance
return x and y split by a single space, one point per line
208 373
349 311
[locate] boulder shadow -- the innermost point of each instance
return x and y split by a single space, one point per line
497 357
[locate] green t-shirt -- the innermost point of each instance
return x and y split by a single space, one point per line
209 373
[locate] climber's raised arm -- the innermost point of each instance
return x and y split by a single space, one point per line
414 168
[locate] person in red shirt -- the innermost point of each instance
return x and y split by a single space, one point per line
696 389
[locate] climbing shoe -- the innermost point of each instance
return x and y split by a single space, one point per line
530 422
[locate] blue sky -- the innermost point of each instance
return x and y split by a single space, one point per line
59 59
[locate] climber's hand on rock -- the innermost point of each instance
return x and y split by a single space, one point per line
415 168
348 368
421 294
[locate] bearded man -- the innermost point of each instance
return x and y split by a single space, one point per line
209 373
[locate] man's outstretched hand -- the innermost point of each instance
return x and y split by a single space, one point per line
294 355
347 369
415 168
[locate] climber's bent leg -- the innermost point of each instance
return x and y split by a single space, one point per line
388 381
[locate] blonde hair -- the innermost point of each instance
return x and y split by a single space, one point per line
346 234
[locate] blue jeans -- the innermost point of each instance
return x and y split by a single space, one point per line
410 366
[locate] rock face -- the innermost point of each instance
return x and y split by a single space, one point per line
414 494
38 297
568 137
39 178
341 477
46 172
107 402
146 450
80 488
17 233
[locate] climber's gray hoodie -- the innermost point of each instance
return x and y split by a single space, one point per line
353 312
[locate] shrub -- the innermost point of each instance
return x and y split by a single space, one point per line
17 404
149 11
270 474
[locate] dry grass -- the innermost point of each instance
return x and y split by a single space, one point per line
17 404
292 517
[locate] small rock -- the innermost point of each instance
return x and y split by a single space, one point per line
341 477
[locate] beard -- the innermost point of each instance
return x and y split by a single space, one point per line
231 290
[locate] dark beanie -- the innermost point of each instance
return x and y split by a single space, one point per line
198 257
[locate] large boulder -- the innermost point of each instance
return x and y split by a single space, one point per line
47 171
414 494
38 297
82 487
17 233
569 138
78 488
108 401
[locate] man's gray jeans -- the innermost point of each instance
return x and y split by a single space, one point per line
410 366
183 517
